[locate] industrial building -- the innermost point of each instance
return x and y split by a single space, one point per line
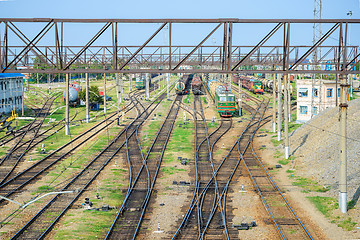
311 101
11 92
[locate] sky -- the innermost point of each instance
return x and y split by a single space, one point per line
176 9
192 35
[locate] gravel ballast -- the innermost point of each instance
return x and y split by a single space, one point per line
316 147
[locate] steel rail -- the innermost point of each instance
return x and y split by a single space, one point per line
279 191
148 196
194 202
59 158
29 142
133 182
84 170
224 191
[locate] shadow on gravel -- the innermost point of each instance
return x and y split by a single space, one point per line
354 199
302 143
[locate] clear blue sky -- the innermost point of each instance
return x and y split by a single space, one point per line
175 9
266 9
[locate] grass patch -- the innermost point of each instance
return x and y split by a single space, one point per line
277 154
276 142
347 224
172 170
284 161
204 100
324 204
309 185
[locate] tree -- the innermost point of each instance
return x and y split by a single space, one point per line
94 96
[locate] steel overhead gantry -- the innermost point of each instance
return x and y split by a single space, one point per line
227 58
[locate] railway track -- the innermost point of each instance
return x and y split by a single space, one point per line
143 174
17 183
46 218
204 194
282 215
211 219
29 139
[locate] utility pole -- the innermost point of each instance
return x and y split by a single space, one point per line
240 107
147 86
130 86
167 85
289 99
274 102
279 124
344 91
67 105
87 97
343 160
104 92
286 116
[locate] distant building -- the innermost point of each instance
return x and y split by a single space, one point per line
11 92
324 89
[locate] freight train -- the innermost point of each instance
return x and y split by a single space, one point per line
182 86
196 85
223 97
268 85
252 84
74 89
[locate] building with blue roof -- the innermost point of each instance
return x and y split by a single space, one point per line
11 92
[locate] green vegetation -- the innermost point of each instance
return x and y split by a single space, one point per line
91 224
324 204
284 161
94 96
181 141
276 142
189 98
347 224
172 170
327 205
277 154
204 100
309 185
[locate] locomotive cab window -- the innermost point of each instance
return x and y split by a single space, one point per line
222 98
230 98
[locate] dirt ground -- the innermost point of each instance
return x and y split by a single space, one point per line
319 226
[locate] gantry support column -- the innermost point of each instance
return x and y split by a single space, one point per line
87 98
279 124
274 103
286 115
344 88
67 105
104 92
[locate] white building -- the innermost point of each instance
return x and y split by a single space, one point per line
324 91
11 92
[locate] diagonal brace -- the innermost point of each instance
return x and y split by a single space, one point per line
262 42
107 25
187 56
140 48
318 43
